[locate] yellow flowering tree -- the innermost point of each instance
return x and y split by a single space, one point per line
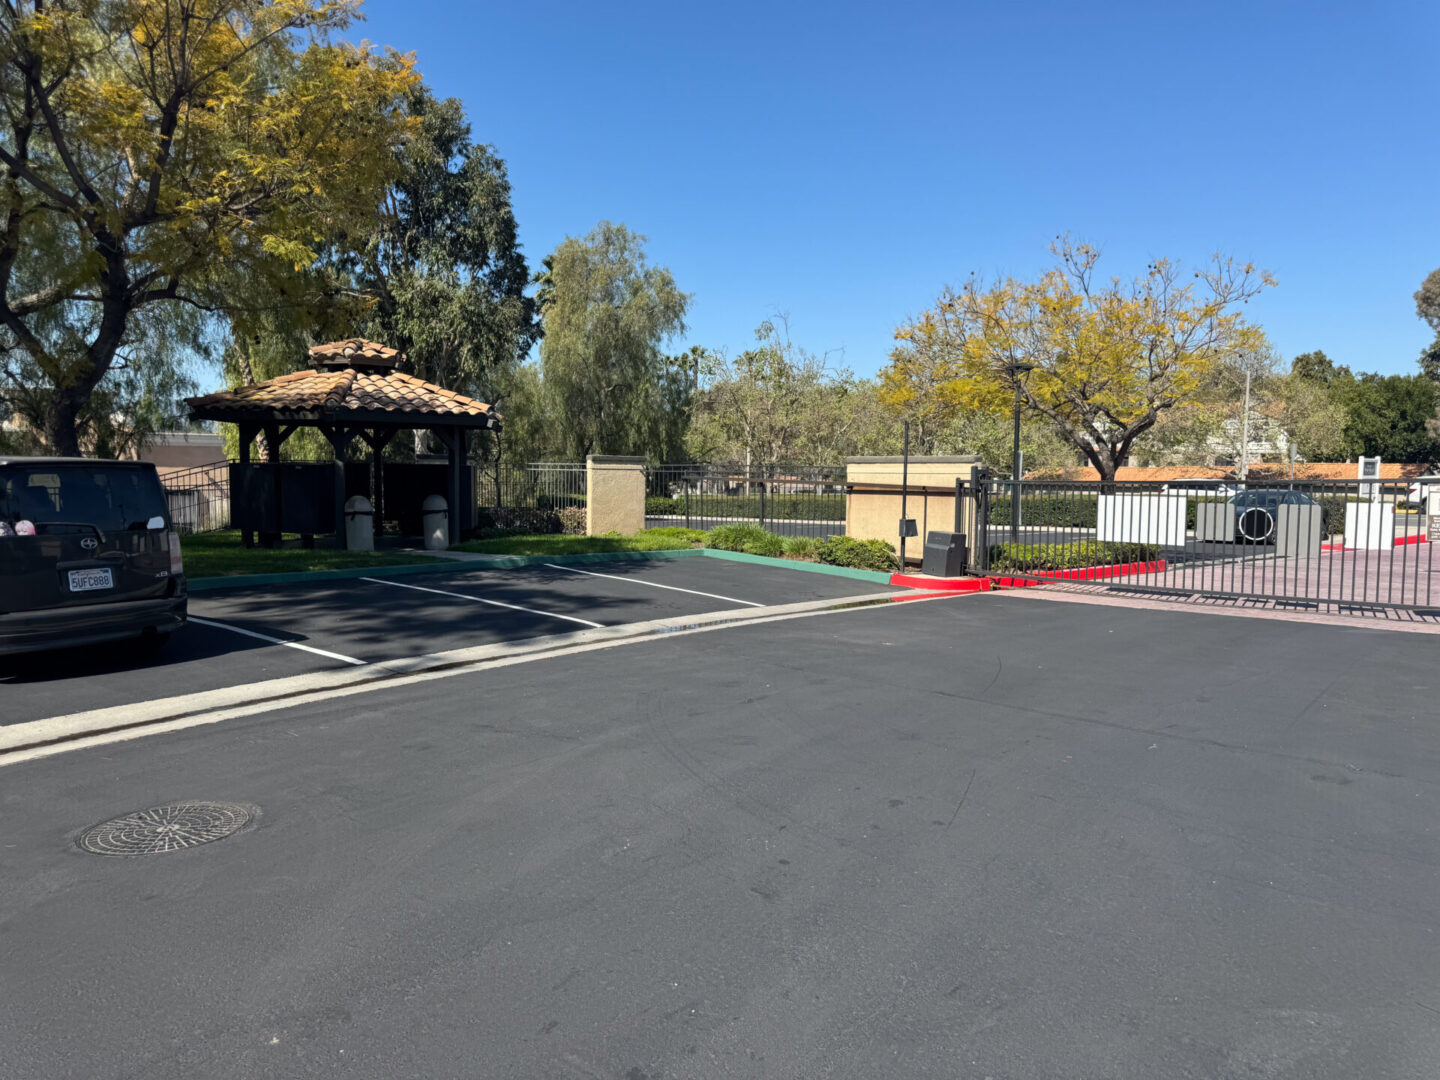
1106 357
152 151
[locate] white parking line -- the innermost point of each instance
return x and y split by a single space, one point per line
275 640
655 585
483 600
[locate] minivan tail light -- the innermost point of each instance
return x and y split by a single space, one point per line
177 562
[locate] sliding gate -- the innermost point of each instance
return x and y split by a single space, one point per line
1328 546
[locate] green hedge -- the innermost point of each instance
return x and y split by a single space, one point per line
1054 511
742 536
857 554
1067 556
776 507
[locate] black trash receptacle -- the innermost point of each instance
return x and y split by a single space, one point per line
944 554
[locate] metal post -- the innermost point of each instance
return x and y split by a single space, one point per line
1245 430
1015 473
904 494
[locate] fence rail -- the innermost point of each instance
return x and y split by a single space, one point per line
199 497
537 486
1328 545
791 500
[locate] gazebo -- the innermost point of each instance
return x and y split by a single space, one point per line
357 389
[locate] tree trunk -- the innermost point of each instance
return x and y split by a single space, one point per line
61 435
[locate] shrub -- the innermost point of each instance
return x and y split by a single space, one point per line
1078 511
572 520
742 536
657 505
859 554
827 507
495 521
1073 556
801 547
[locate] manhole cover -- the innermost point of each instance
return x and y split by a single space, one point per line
166 828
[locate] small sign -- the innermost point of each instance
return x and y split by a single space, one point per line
1370 470
1434 529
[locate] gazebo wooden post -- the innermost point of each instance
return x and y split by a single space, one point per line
247 439
339 438
277 498
456 440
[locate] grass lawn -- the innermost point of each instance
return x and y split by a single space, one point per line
555 544
219 554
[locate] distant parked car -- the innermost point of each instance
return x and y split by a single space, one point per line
1422 487
1257 511
1201 487
88 554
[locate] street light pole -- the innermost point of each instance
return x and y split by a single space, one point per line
1016 370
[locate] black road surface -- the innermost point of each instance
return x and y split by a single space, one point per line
983 837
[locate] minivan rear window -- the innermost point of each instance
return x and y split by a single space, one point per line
112 500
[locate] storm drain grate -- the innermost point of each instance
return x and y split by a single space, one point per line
162 829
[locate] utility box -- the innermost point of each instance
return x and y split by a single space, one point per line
1215 522
944 554
359 524
435 523
1298 530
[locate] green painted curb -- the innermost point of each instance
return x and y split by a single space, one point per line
440 566
795 564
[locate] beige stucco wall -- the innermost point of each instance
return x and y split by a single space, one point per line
183 450
614 495
875 515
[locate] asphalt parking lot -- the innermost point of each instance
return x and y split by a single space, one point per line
987 836
254 634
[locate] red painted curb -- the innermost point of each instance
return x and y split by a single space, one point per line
1092 573
1400 541
929 584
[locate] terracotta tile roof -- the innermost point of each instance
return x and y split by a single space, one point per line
1305 470
337 396
357 352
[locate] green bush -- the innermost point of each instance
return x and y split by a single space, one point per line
742 536
1073 556
858 554
828 507
572 520
801 547
1078 511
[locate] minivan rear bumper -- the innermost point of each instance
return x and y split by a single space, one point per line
63 628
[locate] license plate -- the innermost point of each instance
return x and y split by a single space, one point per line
90 580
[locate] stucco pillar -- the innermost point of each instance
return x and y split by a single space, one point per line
614 494
872 511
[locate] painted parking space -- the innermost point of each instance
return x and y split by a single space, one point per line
255 634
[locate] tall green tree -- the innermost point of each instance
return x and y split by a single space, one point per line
148 146
443 271
607 316
1390 416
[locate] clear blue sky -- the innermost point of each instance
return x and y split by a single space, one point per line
843 161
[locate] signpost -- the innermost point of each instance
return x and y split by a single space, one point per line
1370 470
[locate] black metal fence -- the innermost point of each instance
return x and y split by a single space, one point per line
535 486
790 500
1324 545
199 497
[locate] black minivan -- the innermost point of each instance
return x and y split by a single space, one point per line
87 554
